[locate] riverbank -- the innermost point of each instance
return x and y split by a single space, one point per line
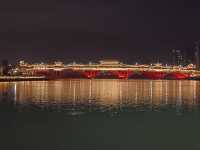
22 78
43 78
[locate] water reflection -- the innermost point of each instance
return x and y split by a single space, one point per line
106 94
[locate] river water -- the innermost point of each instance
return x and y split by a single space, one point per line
100 114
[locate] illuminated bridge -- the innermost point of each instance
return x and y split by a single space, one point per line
107 69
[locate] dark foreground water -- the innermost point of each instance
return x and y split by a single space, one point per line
100 114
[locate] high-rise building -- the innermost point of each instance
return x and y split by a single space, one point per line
189 56
4 67
177 57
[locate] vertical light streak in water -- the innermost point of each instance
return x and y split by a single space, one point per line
101 90
151 92
166 92
120 94
136 92
74 93
40 93
179 100
15 92
70 84
90 91
194 92
161 91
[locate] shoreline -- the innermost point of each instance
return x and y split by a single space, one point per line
22 78
43 78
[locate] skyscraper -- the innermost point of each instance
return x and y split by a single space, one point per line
177 57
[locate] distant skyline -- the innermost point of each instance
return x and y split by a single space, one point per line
128 30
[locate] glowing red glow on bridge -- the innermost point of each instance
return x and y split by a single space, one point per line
108 69
153 74
90 74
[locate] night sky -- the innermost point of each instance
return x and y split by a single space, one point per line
129 30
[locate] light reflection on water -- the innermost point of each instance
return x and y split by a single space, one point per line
104 95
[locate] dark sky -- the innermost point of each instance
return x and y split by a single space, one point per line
81 30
